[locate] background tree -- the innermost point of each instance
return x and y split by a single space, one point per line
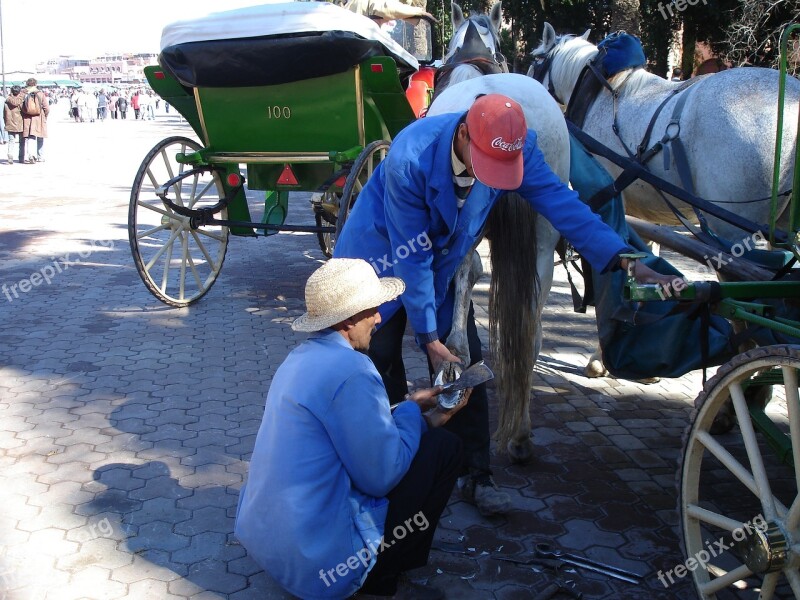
753 34
625 15
659 29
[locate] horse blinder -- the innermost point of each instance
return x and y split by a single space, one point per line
541 68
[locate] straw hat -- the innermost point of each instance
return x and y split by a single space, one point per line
341 288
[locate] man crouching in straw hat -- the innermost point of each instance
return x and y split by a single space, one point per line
343 493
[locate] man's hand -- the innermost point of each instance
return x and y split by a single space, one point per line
439 416
426 398
438 353
644 274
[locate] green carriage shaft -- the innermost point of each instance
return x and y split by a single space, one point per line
291 136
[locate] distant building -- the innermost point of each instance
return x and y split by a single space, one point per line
110 68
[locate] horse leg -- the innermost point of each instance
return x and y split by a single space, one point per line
467 274
520 447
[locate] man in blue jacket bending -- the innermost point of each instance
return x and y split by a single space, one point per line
418 217
342 493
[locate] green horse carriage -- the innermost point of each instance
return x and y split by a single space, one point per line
303 96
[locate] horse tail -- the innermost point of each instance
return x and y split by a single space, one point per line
513 300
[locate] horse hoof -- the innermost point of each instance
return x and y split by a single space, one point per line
594 369
649 380
521 452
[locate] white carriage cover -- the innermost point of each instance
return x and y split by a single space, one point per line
238 32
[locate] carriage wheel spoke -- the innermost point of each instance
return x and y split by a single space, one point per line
197 277
151 231
768 586
739 573
167 263
727 459
197 196
152 179
753 452
794 580
177 187
184 254
166 213
219 238
706 516
163 249
793 408
200 245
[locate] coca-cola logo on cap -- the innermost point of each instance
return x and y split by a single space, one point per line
500 144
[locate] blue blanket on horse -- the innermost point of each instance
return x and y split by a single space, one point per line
623 51
641 340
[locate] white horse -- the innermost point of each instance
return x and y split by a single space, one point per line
727 127
516 333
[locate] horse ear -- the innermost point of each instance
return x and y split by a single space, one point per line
457 16
548 37
496 16
585 35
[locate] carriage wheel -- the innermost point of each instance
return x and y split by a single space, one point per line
326 217
178 264
361 171
740 506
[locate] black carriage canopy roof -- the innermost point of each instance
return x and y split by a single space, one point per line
273 44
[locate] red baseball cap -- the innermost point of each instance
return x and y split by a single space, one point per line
497 132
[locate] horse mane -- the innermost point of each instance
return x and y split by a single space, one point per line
636 81
572 58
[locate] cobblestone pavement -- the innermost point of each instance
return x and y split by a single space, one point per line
127 425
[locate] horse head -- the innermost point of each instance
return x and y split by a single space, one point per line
559 60
476 36
474 49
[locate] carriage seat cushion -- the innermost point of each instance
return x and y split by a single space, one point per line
273 44
267 61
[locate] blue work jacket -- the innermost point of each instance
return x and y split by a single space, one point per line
406 221
328 451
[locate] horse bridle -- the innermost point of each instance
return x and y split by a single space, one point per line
541 68
473 51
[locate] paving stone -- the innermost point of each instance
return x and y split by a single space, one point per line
142 569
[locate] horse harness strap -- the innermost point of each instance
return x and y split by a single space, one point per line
671 136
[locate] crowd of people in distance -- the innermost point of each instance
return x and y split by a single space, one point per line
23 126
98 106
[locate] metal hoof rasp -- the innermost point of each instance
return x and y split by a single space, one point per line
547 552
